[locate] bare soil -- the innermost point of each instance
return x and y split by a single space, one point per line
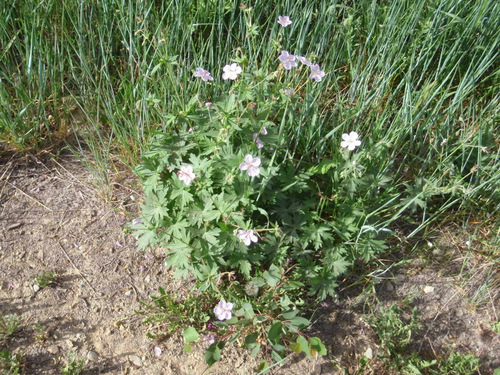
53 217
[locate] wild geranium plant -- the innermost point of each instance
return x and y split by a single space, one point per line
262 230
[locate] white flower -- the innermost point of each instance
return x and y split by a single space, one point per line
350 140
251 165
186 174
263 131
231 71
203 74
316 73
223 310
304 60
443 142
289 92
287 60
284 21
247 236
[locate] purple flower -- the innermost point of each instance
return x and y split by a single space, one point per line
257 140
203 74
304 60
247 236
251 165
208 104
287 60
231 71
316 73
284 21
263 131
289 92
223 310
186 174
209 338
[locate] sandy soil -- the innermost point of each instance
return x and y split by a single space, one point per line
54 218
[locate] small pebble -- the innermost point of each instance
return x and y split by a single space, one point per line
369 353
53 349
388 286
92 356
428 289
135 360
36 288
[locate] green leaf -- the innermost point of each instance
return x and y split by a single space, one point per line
296 347
290 314
275 332
317 345
299 322
275 355
213 352
211 236
248 309
255 350
190 334
188 348
272 276
304 345
263 367
251 340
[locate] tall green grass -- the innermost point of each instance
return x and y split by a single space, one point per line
407 75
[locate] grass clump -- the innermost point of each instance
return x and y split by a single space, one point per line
45 279
11 363
9 323
73 366
394 332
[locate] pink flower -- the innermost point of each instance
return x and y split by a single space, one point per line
350 141
247 236
186 174
203 74
231 71
223 310
251 165
304 60
284 21
287 60
316 73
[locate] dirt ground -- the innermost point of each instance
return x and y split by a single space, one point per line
54 218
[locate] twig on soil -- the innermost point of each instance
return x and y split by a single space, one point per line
30 197
76 268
